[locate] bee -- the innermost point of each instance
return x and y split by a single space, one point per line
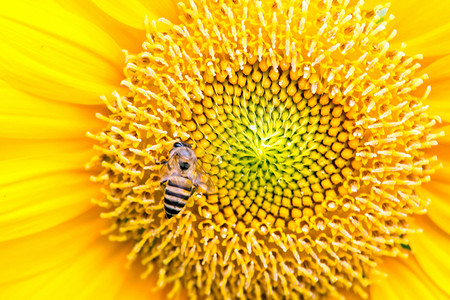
181 174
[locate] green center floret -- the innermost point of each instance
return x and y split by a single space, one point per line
274 140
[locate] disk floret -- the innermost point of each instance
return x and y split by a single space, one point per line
282 150
307 124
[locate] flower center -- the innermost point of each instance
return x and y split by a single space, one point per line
281 150
306 122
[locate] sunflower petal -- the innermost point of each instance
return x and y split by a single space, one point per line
437 190
441 151
136 288
27 160
71 261
439 209
133 12
124 36
46 51
34 118
415 19
47 249
439 73
95 274
432 43
35 204
405 280
431 252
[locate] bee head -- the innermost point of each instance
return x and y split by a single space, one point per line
183 155
181 144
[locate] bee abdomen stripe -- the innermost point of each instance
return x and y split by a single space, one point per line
175 189
187 187
174 201
178 195
171 209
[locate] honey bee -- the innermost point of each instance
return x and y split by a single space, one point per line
180 177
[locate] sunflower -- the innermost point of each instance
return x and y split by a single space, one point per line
313 119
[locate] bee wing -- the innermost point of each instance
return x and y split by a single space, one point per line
203 180
164 172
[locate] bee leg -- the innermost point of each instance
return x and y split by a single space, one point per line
194 189
160 162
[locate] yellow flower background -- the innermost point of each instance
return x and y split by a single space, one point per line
56 59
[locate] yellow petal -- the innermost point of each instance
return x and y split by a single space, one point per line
437 189
28 256
71 261
31 205
50 53
405 280
435 42
442 151
28 117
136 288
439 73
94 274
431 249
21 160
439 208
414 18
133 12
126 37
